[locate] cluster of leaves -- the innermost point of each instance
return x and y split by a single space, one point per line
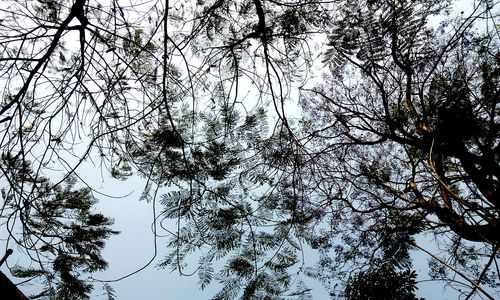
58 225
221 211
382 283
390 276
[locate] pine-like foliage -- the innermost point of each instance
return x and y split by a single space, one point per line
58 225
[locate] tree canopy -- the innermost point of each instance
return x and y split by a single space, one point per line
266 130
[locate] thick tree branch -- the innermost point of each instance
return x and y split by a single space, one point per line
487 233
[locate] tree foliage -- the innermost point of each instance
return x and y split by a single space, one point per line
266 130
58 229
383 283
390 276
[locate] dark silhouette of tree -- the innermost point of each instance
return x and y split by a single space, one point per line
59 231
217 104
382 283
389 277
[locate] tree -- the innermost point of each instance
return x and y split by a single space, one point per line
390 276
382 283
419 129
399 138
